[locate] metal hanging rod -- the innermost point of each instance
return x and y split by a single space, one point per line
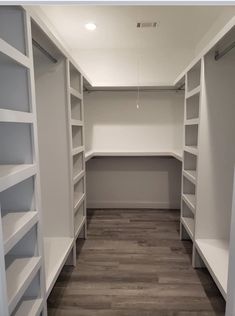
219 55
133 90
44 51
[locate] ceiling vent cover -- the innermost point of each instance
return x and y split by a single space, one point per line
146 24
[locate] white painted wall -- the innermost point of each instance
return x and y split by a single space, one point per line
133 182
113 121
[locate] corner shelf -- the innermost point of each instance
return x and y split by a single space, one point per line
56 253
19 275
13 174
215 254
30 306
15 225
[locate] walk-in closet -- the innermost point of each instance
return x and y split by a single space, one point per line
117 160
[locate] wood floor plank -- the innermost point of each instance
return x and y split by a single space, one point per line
133 264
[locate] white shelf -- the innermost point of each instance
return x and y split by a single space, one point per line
77 177
215 254
15 225
75 93
190 200
30 306
189 225
191 149
15 116
78 199
14 54
19 275
77 150
78 230
192 121
190 175
13 174
76 122
175 154
193 92
56 251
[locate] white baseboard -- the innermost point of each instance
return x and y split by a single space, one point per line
132 205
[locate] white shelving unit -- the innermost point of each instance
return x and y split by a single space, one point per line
77 151
54 154
216 164
189 170
21 251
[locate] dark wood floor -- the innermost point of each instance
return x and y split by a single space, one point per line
133 264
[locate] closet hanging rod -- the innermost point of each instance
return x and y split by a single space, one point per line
44 51
219 55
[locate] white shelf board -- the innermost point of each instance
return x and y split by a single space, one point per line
19 275
13 174
74 122
30 306
190 200
14 54
77 150
175 154
191 149
193 92
189 225
77 232
78 176
15 225
190 175
15 116
56 251
75 93
215 254
192 121
78 199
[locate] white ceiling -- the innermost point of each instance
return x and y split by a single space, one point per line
180 29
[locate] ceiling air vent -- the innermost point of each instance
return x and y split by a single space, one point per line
146 24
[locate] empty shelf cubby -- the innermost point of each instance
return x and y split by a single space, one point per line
76 108
186 211
79 190
13 27
15 143
31 302
188 187
75 78
193 77
14 85
190 162
79 217
192 107
191 135
78 163
77 136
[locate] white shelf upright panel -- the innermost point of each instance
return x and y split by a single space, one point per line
189 170
21 252
77 151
